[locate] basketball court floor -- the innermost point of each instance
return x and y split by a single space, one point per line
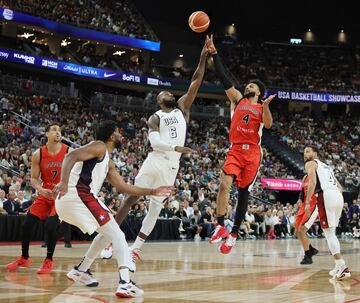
256 271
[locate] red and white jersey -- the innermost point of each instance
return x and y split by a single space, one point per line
90 174
246 123
50 166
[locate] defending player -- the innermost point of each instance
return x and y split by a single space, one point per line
84 172
330 202
45 174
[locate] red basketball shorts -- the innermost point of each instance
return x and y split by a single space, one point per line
243 162
43 207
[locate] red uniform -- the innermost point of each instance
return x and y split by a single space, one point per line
50 168
301 217
244 157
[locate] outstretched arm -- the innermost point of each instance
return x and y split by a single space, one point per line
185 102
233 94
267 117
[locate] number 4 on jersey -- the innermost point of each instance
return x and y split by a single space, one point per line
246 118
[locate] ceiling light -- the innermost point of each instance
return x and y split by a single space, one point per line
119 53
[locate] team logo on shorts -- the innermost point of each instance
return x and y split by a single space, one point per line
101 217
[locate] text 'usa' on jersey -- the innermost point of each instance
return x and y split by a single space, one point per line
50 166
172 129
246 123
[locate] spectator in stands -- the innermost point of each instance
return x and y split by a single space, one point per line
11 206
167 212
2 200
250 218
207 222
353 209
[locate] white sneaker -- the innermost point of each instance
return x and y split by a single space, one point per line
197 238
82 277
106 253
128 290
342 273
333 271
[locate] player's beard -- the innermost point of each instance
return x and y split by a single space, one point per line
249 95
170 103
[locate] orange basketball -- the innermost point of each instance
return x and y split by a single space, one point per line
199 21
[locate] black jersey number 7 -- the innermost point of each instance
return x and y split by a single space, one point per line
246 118
54 174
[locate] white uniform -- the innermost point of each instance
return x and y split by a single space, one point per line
81 206
330 200
161 167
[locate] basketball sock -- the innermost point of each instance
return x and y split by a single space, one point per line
138 243
96 246
51 226
27 228
112 232
220 220
124 275
332 240
85 264
340 262
241 208
151 217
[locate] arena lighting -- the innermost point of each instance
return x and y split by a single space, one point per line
309 30
181 55
119 53
232 24
342 31
25 35
65 43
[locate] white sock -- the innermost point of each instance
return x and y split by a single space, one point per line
340 262
96 246
124 275
112 232
85 264
138 243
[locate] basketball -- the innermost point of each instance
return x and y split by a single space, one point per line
199 21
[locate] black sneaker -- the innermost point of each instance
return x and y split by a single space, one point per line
312 252
68 245
306 260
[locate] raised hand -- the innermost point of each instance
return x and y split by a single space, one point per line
268 99
210 45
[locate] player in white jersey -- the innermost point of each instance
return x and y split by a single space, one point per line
167 133
83 172
330 201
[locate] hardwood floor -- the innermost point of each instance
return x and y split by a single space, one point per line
256 271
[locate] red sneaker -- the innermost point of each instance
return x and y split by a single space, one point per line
227 246
136 254
21 261
220 233
46 267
